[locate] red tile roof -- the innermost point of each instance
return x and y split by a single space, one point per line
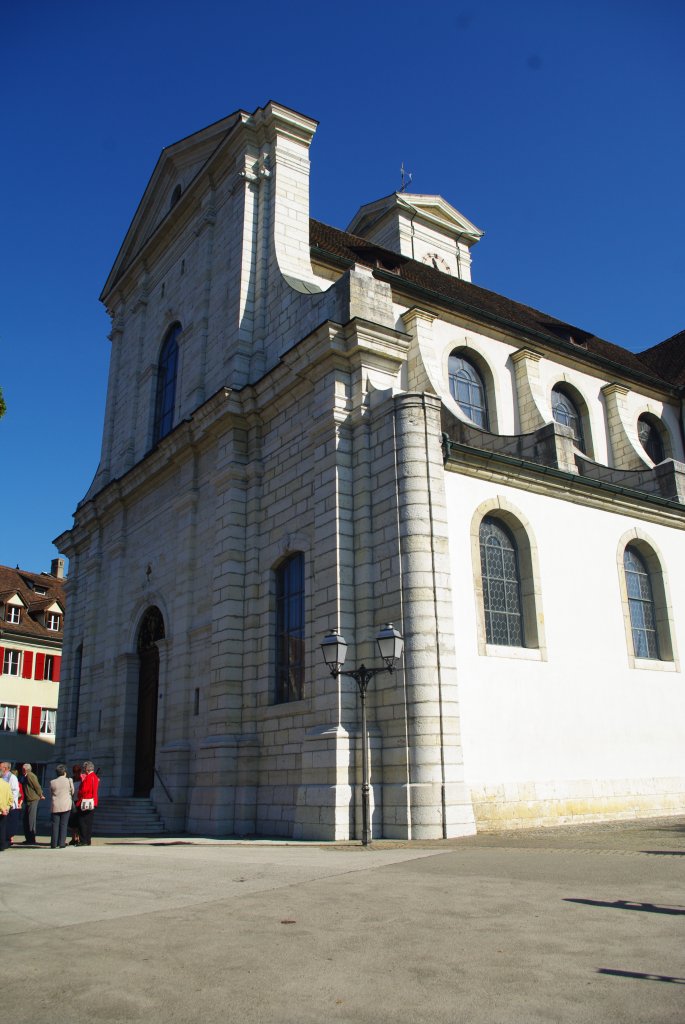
23 583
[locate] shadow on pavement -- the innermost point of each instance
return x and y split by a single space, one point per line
647 908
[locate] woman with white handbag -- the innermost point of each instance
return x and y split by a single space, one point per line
87 801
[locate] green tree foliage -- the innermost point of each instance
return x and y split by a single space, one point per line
3 407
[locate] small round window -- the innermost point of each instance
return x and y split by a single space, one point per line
650 437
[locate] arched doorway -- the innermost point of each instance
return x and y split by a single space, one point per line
151 630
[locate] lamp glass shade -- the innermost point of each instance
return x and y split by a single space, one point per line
334 649
390 644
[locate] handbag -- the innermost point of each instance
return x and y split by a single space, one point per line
87 804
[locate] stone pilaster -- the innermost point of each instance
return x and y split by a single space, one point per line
433 800
626 450
533 405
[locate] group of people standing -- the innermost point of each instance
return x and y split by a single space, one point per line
73 803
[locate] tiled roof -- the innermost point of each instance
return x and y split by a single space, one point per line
668 358
492 306
20 582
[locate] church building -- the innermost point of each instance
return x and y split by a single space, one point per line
311 430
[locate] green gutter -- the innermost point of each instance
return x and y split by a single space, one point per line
573 479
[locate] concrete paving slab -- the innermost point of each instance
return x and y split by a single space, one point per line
568 926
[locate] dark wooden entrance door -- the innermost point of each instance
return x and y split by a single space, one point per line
151 630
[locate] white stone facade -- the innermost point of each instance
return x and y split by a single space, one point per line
311 396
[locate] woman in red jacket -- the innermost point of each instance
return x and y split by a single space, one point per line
87 801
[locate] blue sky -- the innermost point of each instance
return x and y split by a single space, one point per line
556 127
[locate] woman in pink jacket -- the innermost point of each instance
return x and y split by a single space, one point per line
87 801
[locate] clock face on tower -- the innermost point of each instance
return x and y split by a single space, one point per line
433 259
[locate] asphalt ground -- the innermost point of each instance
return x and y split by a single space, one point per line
573 924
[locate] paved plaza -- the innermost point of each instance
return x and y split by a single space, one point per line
582 924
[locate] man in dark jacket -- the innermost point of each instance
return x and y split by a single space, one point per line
32 794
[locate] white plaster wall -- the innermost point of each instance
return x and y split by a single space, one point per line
583 714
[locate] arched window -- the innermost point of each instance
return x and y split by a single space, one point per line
650 437
641 605
468 389
566 412
501 585
166 385
290 629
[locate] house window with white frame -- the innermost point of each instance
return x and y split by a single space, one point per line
49 666
53 621
8 718
48 719
11 664
13 613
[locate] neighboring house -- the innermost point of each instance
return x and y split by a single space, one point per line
31 630
307 429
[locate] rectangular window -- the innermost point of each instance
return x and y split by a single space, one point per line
13 613
11 662
47 722
52 621
49 666
8 718
290 629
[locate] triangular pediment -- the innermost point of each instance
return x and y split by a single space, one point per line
431 208
177 168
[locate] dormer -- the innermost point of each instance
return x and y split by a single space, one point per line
53 617
424 228
14 608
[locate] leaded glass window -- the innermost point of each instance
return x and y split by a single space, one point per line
650 439
501 585
468 390
290 629
641 605
165 398
566 412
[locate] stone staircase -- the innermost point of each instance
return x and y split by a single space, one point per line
127 816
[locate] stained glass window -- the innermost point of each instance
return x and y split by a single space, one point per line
566 412
468 390
166 385
501 585
641 605
290 629
650 439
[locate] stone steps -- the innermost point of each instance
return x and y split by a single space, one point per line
128 816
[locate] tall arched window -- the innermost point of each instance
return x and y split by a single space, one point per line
501 585
166 385
566 412
290 629
643 620
468 389
650 437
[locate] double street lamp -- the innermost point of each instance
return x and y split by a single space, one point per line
334 649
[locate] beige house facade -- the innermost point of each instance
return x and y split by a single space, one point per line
32 607
311 429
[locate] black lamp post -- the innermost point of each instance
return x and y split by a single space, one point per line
334 648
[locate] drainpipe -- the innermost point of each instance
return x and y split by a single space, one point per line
414 213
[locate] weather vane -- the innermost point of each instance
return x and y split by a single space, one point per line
406 178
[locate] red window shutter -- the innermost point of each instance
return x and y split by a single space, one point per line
56 665
40 666
35 721
23 725
28 665
2 659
